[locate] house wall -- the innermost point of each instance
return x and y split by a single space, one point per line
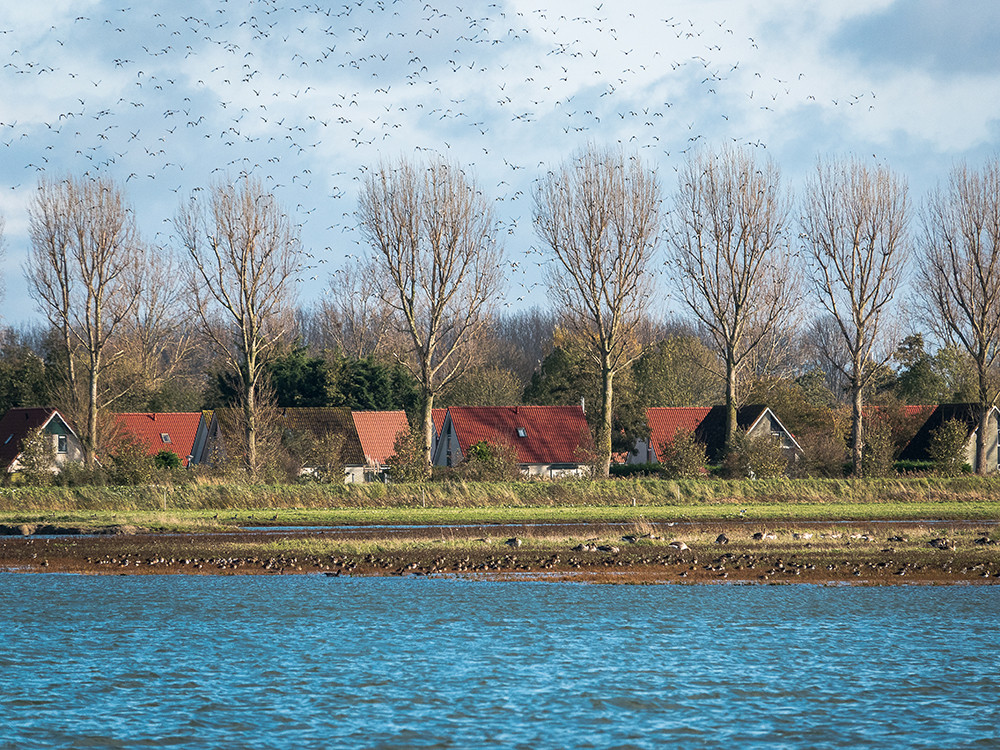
448 451
642 453
552 471
198 450
992 453
767 425
74 448
354 474
73 454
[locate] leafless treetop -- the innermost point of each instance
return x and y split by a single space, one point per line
600 215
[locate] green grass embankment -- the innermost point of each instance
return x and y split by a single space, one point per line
203 521
210 496
196 507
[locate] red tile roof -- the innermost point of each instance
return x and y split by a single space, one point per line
170 431
378 431
552 434
919 410
665 421
15 426
437 415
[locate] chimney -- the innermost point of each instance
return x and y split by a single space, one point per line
583 404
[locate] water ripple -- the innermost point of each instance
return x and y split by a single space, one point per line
177 661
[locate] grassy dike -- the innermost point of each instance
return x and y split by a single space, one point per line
211 506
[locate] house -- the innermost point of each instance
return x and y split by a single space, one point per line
179 432
378 431
708 423
16 425
322 422
968 415
437 421
549 440
199 453
319 422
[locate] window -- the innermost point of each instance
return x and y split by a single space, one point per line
521 432
164 437
61 444
9 438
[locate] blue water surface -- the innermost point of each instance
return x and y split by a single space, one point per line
316 662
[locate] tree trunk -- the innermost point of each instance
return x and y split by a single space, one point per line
730 405
74 395
427 420
250 424
90 444
604 431
857 425
984 421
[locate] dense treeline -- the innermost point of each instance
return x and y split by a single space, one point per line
530 359
792 303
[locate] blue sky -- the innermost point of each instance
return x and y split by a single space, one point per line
170 95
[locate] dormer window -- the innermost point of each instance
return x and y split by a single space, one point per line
164 437
521 432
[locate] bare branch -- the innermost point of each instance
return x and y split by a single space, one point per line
959 274
242 256
599 216
854 225
435 264
732 258
84 272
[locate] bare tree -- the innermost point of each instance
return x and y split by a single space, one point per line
356 318
157 342
854 225
435 263
732 259
599 215
523 339
84 272
959 277
242 254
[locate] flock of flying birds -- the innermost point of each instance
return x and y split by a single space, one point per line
169 97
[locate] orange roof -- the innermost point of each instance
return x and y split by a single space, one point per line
171 431
665 421
378 431
539 434
918 410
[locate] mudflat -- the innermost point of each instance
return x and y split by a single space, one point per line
859 553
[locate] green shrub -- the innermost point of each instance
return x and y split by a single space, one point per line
489 462
131 464
72 474
407 462
913 467
824 454
37 457
947 447
313 457
621 471
684 456
167 460
756 457
879 449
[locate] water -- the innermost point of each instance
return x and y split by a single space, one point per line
311 661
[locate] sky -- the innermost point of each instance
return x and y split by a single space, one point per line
171 96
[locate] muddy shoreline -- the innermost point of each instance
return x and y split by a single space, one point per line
875 553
